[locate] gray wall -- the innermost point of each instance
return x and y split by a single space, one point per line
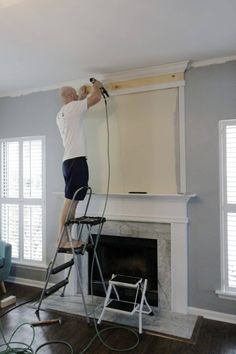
210 97
31 115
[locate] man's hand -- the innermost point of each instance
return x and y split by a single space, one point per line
83 92
96 95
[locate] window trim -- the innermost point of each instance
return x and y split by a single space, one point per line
28 201
226 291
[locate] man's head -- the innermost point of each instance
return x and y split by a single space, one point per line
68 94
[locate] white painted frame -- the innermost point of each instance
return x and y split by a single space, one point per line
31 201
165 69
181 105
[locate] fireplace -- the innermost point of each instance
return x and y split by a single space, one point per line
160 217
127 256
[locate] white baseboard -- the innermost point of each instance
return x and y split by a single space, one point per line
212 315
28 282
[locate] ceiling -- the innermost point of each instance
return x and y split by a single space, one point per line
47 42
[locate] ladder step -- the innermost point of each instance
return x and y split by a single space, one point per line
62 266
126 281
56 287
88 220
121 306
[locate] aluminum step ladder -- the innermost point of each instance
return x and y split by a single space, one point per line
86 245
127 307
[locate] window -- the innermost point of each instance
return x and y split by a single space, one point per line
228 203
22 207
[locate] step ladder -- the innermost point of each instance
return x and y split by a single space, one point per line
127 307
86 245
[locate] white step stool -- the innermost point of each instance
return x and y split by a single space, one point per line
126 307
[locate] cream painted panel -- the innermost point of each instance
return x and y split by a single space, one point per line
143 144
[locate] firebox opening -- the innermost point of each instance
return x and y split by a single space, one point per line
127 256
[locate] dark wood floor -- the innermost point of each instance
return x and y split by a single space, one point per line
212 338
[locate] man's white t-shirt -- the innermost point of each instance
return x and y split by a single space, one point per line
70 121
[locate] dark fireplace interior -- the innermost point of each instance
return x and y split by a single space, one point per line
126 256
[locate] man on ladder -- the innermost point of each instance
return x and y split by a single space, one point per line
70 121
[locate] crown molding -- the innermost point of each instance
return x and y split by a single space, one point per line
222 60
24 92
125 75
107 78
146 72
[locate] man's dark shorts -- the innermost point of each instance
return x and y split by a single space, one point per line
76 175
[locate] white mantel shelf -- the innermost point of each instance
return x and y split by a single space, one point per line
165 208
181 196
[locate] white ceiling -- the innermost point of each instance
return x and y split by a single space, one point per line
46 42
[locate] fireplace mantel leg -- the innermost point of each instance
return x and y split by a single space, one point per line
179 273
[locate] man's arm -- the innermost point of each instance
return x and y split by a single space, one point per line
96 95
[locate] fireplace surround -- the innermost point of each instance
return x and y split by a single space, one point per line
162 217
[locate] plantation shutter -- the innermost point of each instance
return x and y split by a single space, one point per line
10 226
32 169
23 197
231 202
228 202
33 232
10 169
10 189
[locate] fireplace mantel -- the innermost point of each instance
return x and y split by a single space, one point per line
163 208
166 208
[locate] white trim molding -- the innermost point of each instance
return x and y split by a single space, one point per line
158 70
222 60
115 76
163 69
212 315
182 144
30 265
226 295
168 208
28 282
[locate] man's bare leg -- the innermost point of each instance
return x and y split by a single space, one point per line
67 213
